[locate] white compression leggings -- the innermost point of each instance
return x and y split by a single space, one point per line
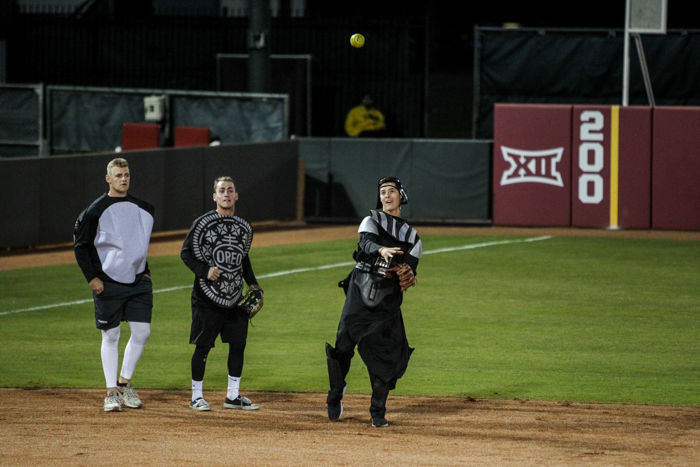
140 333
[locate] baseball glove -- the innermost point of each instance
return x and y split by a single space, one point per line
405 275
252 301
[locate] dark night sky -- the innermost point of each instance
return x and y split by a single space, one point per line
453 30
529 13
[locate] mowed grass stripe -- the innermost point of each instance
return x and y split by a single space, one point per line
287 272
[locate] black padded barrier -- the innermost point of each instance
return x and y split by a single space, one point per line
42 197
448 180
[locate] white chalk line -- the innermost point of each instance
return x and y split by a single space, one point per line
293 271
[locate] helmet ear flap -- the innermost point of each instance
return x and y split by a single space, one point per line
404 196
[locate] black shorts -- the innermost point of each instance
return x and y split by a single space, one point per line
209 321
119 303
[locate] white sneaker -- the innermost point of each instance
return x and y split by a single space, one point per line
200 405
129 397
112 402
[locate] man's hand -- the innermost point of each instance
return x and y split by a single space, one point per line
96 285
388 252
213 273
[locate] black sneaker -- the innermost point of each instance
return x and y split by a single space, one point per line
335 404
379 422
335 411
242 403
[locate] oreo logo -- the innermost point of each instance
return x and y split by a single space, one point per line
227 257
222 241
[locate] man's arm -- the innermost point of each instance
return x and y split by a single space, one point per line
83 244
369 243
199 268
377 118
248 274
84 249
353 122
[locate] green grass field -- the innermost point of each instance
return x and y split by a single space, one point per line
575 319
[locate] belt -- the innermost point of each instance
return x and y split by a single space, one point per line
371 269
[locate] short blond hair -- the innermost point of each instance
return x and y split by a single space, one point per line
116 162
225 178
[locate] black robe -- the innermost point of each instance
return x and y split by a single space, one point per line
377 328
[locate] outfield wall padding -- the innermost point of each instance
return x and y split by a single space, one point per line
531 165
634 203
625 167
42 197
610 170
676 168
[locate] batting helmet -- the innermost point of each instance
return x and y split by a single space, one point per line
392 181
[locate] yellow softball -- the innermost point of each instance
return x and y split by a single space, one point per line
357 40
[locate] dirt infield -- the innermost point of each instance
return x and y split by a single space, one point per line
68 427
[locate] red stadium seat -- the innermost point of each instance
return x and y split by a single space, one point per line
191 136
140 136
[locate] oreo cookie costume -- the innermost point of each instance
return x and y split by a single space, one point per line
224 242
216 249
371 318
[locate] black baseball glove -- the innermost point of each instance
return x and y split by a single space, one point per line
252 301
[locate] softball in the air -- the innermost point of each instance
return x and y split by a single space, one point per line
357 40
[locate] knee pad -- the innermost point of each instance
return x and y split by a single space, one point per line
111 336
336 375
140 332
201 352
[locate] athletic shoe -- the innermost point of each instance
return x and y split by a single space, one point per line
335 408
335 411
200 405
242 403
129 397
379 422
112 402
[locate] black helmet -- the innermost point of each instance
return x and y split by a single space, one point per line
396 182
